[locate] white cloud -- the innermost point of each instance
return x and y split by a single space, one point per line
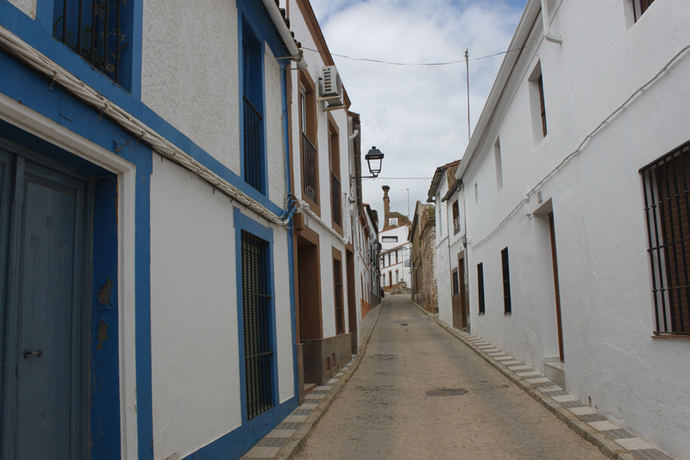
415 115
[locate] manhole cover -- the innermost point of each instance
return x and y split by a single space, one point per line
383 357
447 392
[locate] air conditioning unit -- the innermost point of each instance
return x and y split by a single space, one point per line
331 88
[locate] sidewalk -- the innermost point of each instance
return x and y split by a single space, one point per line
611 439
287 438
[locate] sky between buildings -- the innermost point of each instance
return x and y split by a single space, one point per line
416 115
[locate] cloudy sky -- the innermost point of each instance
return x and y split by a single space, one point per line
416 115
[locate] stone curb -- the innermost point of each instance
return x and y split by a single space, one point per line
582 425
276 446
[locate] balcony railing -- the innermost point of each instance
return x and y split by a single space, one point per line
309 186
336 206
253 158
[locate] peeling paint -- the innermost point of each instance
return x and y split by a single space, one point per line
104 293
102 334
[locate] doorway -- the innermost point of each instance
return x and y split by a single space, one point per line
44 217
351 300
556 286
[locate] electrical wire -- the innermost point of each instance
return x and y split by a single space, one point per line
418 64
581 145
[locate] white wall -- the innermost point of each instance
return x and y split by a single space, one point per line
190 73
26 6
597 201
194 342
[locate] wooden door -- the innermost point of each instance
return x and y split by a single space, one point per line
46 372
456 300
464 307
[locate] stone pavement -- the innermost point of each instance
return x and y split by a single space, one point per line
287 438
419 392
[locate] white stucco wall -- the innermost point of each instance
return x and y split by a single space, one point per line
190 72
276 163
597 202
28 7
194 342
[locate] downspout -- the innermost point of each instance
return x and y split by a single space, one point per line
545 15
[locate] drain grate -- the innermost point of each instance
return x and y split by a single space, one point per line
447 392
383 357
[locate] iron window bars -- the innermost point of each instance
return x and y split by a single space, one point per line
507 305
309 187
256 314
480 288
253 156
97 30
666 184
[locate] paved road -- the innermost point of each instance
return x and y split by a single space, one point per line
384 411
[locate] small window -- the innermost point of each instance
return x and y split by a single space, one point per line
506 282
639 7
100 31
389 239
667 207
499 164
252 92
476 193
480 288
456 217
393 221
538 103
456 282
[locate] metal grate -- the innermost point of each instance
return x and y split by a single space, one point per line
339 307
336 205
256 313
508 308
253 157
667 208
480 288
309 187
95 30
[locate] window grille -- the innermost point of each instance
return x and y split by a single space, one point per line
253 157
456 218
99 31
480 288
309 187
667 207
508 308
339 307
456 283
336 204
256 313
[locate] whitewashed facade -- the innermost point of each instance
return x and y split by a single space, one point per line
571 120
395 257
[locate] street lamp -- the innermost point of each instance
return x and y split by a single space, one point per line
374 159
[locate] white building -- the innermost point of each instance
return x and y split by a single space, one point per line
575 184
395 258
450 261
323 136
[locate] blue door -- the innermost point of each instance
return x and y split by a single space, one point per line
45 339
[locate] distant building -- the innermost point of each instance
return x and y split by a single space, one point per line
422 240
395 249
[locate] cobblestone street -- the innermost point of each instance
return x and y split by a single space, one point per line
421 393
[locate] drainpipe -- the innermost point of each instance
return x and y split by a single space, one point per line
283 31
545 16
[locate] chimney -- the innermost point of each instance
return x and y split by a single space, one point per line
386 205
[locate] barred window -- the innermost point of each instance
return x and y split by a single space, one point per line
667 208
507 304
480 288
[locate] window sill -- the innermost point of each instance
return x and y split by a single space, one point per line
670 336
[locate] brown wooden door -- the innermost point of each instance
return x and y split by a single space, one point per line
556 286
456 300
464 307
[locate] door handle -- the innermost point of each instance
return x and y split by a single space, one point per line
36 353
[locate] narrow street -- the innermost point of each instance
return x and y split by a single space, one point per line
386 410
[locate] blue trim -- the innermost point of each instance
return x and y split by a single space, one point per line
104 376
21 84
35 35
239 441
